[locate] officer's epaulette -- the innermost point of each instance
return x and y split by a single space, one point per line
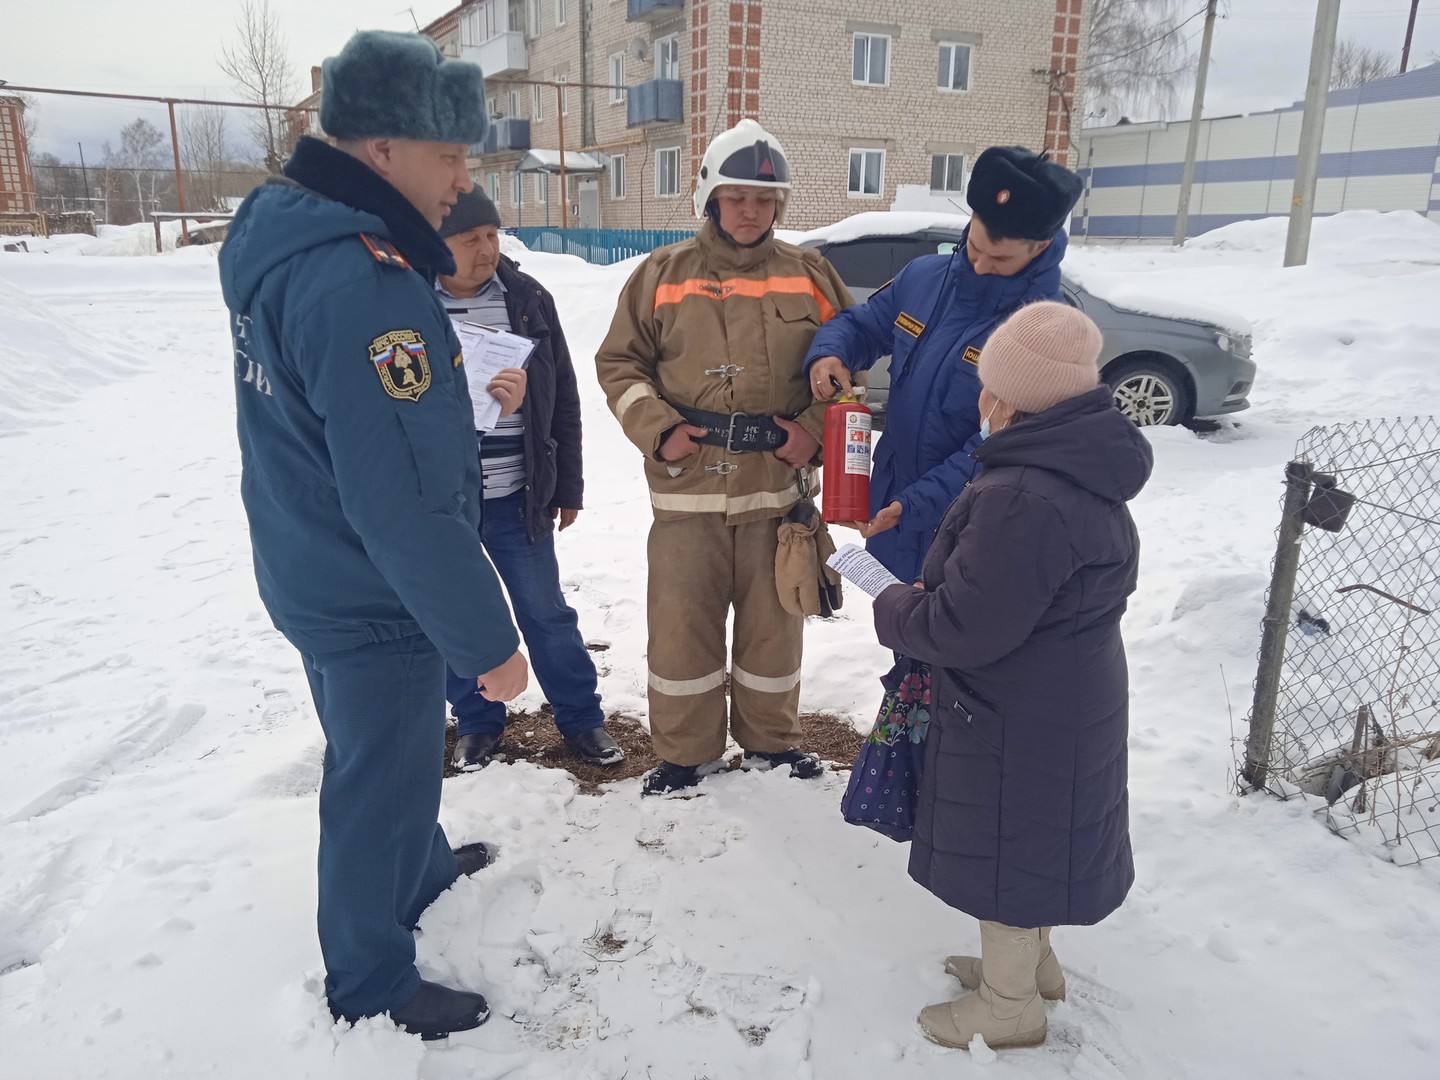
384 251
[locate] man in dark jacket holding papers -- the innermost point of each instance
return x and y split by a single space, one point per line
531 469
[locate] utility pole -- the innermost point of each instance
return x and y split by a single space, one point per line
1312 129
1182 210
1409 35
84 176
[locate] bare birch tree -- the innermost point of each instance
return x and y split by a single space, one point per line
1137 57
205 153
259 62
1356 64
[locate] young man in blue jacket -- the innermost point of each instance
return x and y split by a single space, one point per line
531 472
362 488
933 320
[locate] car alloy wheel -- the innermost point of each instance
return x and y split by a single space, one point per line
1148 395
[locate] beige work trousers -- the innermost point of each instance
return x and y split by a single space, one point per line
699 568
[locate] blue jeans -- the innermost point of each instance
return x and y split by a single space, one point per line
383 858
551 629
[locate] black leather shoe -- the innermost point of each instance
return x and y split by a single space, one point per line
596 746
435 1011
803 766
472 857
667 777
475 751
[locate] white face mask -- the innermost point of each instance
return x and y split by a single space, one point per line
985 425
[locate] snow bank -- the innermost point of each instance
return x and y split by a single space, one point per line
1354 237
136 239
48 362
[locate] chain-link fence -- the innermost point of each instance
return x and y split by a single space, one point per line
1347 699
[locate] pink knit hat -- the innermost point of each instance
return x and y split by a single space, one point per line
1042 355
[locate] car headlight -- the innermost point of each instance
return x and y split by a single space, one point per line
1238 344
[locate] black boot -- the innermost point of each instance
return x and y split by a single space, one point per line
435 1011
667 777
472 857
475 751
803 766
596 746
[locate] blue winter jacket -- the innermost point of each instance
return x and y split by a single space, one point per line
933 319
361 477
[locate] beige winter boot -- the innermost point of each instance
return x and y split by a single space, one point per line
1049 978
1006 1009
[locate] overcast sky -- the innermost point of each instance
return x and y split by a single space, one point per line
165 47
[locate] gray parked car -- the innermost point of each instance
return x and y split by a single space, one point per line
1163 370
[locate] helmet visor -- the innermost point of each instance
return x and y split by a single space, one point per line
756 163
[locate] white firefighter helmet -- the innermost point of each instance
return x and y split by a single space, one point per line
747 155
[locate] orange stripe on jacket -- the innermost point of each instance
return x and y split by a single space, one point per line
748 287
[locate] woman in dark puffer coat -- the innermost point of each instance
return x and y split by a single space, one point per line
1022 818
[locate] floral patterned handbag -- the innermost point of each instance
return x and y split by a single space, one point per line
885 781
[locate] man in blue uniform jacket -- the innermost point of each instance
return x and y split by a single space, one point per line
933 320
362 488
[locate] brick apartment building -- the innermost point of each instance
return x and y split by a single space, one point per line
871 100
17 185
879 103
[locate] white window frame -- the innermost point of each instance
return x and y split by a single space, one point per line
514 103
533 9
667 57
959 189
617 78
517 188
855 39
538 100
492 183
661 153
948 86
865 151
617 177
542 188
560 12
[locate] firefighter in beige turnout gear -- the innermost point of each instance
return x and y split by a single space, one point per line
703 368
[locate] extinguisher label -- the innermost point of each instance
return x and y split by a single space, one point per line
857 443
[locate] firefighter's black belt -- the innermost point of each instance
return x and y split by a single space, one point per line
735 431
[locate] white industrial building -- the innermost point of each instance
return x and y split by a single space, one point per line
1381 151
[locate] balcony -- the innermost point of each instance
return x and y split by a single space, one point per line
506 133
503 54
659 101
652 10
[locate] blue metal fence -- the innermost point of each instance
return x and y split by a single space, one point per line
600 246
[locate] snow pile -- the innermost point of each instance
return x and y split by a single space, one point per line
1356 237
136 239
47 362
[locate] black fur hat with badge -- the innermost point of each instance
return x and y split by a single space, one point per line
388 85
1021 195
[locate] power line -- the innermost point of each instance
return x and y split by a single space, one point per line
1347 16
1154 41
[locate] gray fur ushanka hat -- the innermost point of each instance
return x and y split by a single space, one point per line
387 85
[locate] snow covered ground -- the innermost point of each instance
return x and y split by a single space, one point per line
159 756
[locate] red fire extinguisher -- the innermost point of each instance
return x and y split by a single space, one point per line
845 480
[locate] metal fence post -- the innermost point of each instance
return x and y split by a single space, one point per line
1276 624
